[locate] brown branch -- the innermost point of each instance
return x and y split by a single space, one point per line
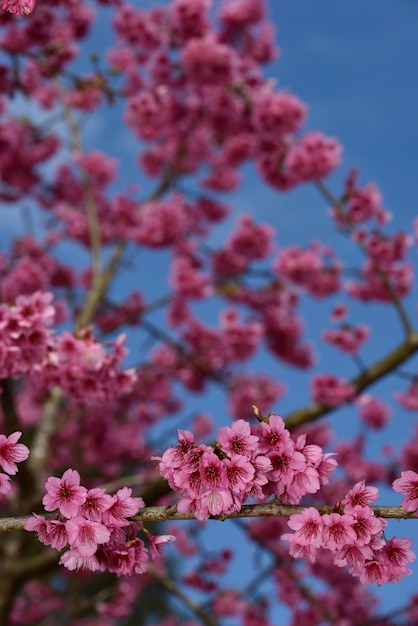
288 566
375 372
89 201
98 290
269 509
338 205
40 446
195 608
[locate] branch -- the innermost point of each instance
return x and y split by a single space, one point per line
288 566
100 286
195 608
373 373
89 201
269 509
98 290
40 446
338 205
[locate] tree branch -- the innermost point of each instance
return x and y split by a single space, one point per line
269 509
378 370
338 205
195 608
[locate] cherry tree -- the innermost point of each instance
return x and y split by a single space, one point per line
150 328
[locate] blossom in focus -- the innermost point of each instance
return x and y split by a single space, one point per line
23 7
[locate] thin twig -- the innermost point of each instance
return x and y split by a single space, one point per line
40 446
89 201
338 205
195 608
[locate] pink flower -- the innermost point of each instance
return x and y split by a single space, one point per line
273 436
24 7
12 452
122 561
40 525
373 572
354 556
123 506
338 531
299 551
228 603
85 535
65 494
212 471
313 157
74 561
366 524
408 484
330 390
214 502
395 555
58 537
97 501
237 439
5 485
373 412
360 495
156 543
240 472
308 526
129 558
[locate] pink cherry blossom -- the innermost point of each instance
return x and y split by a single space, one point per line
308 526
361 495
338 531
237 439
74 561
97 501
65 493
123 506
395 555
24 7
408 485
86 535
5 485
12 452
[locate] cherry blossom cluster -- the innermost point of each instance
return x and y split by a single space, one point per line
24 148
373 411
355 537
11 452
315 269
256 461
409 398
348 339
408 485
24 333
84 369
24 7
194 73
362 204
30 267
331 390
385 271
95 527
